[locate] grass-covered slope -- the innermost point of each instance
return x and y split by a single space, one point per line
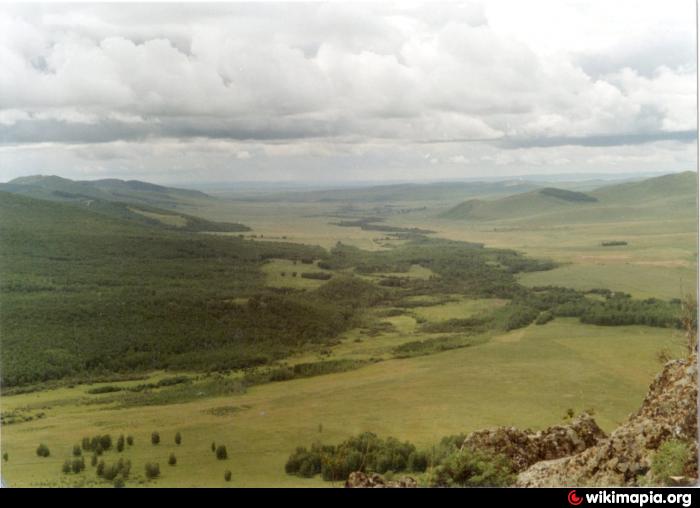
530 203
658 197
132 200
132 191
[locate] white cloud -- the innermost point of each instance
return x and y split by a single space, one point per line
347 82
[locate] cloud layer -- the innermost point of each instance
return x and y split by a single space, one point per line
342 91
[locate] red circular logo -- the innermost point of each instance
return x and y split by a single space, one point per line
574 500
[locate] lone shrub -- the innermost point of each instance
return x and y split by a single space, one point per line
106 442
469 468
130 440
152 470
213 446
178 438
155 438
673 458
5 457
221 453
78 465
172 460
66 467
110 472
77 452
43 450
100 468
227 475
120 443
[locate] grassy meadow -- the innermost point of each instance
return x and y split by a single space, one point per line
527 378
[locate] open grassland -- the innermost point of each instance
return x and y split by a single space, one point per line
527 377
660 256
659 259
299 223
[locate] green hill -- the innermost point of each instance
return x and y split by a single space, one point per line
132 191
131 200
663 196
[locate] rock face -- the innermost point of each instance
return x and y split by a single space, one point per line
360 480
525 447
668 411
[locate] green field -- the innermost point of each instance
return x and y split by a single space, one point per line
409 338
527 378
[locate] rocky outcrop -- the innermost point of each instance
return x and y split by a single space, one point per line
360 480
668 411
525 447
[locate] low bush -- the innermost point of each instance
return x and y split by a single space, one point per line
471 468
673 458
152 470
78 465
43 450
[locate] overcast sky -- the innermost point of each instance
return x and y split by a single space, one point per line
347 91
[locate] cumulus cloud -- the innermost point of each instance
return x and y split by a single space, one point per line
355 85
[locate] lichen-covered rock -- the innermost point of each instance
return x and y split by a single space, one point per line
525 447
360 480
668 411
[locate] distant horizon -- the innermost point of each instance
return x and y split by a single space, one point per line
226 186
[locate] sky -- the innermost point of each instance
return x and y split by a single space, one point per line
345 91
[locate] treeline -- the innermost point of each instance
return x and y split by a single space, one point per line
609 308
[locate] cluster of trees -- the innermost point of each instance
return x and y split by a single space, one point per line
542 304
302 370
461 267
365 452
447 463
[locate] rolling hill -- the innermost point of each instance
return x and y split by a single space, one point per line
658 197
131 191
133 200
